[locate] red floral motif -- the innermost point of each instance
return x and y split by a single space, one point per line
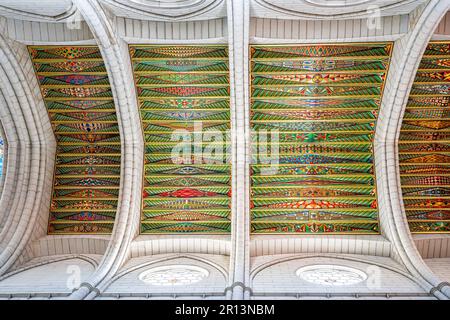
310 204
187 193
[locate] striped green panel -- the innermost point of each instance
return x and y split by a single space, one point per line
424 151
313 114
183 94
77 93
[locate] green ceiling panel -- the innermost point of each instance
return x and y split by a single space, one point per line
184 89
75 87
319 105
424 150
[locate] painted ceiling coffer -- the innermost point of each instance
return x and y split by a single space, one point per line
313 115
424 149
183 93
76 90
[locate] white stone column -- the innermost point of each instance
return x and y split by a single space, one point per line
238 35
26 194
405 60
117 62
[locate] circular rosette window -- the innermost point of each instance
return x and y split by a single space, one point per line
331 275
337 3
174 275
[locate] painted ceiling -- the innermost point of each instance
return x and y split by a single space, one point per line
76 90
424 152
183 94
321 102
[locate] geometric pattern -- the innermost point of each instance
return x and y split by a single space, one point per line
323 102
76 91
424 149
183 93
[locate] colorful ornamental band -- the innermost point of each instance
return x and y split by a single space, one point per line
319 105
424 150
183 94
76 90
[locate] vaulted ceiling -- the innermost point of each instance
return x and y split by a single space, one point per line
112 80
